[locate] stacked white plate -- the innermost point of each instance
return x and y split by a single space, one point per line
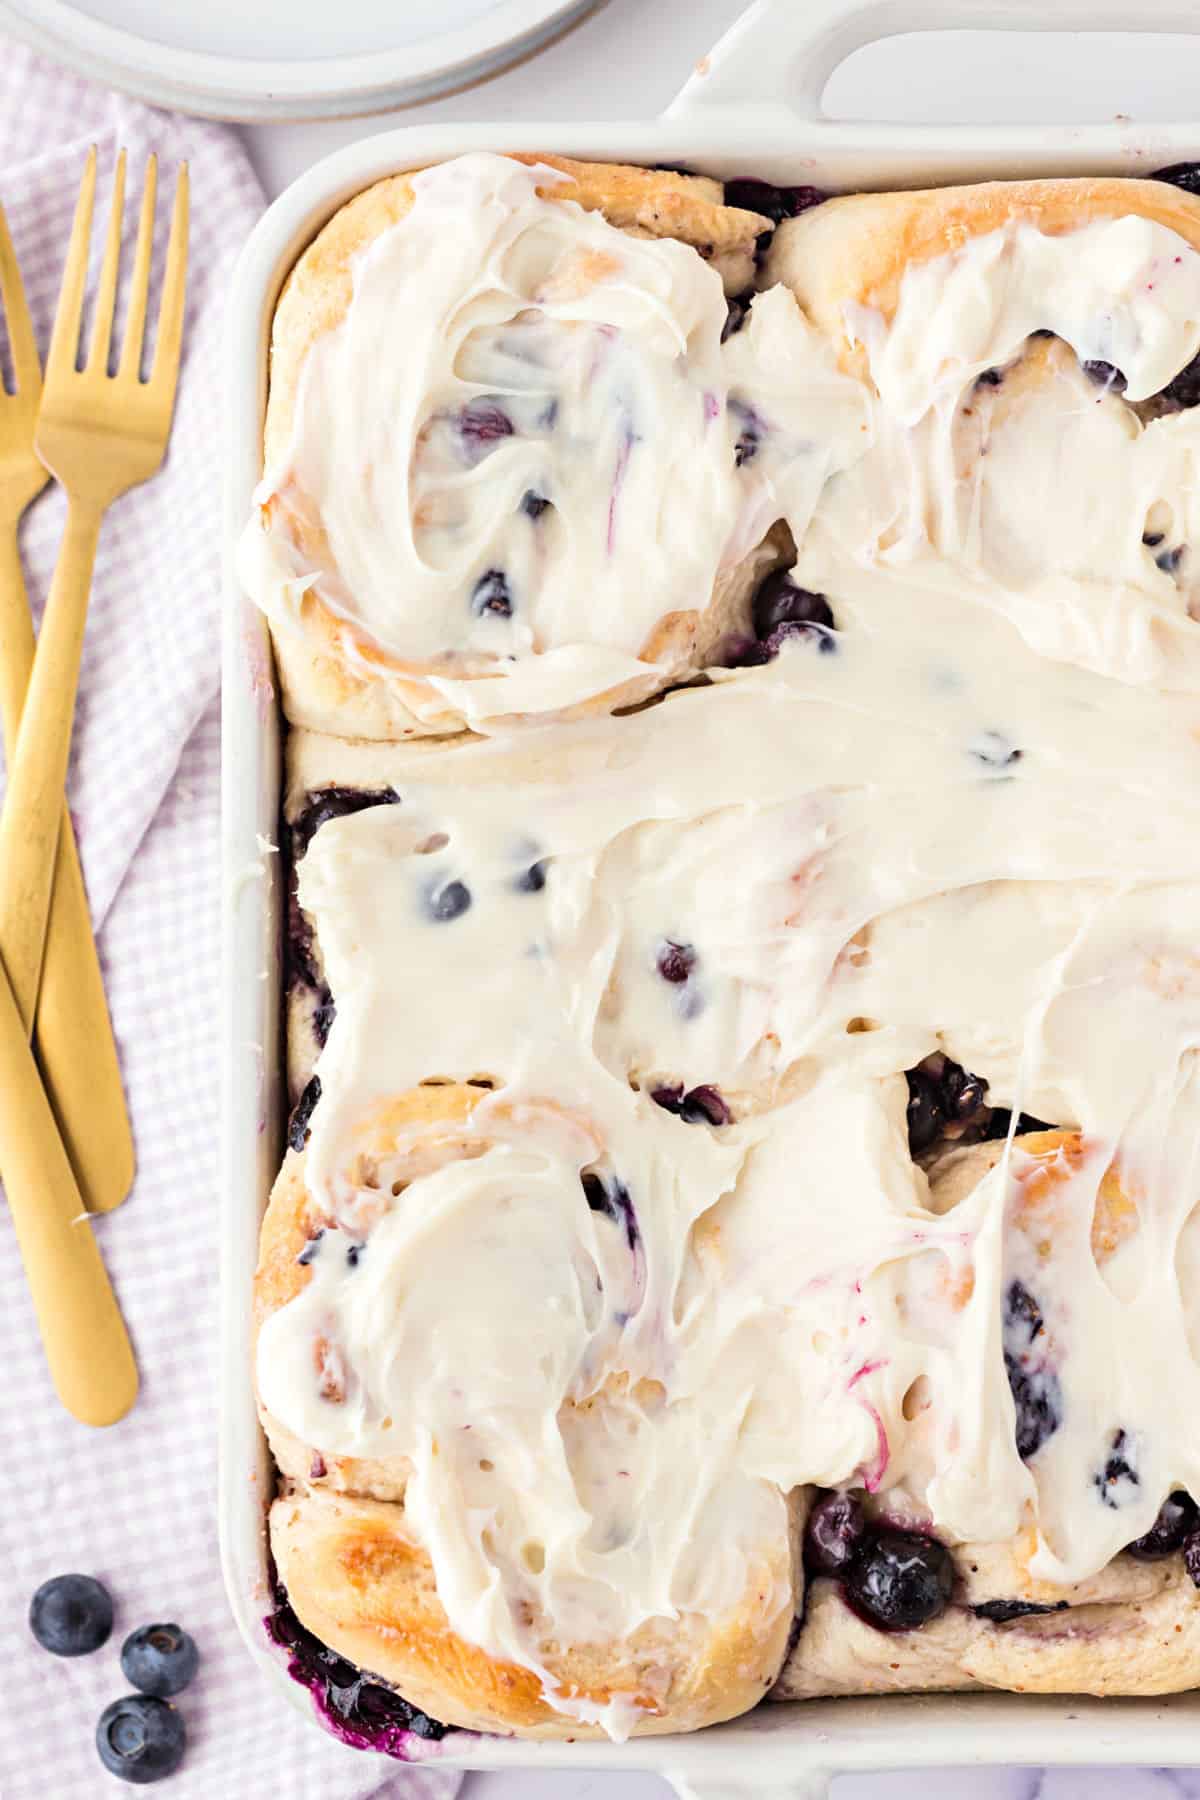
287 59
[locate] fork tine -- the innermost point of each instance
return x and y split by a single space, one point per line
170 312
139 285
106 294
27 370
64 341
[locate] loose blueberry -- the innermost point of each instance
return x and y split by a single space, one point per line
302 1112
533 505
1178 1517
925 1114
1000 1612
140 1738
779 601
482 425
737 311
834 1533
159 1659
449 902
1116 1480
1105 375
774 203
675 962
704 1105
71 1615
900 1580
491 596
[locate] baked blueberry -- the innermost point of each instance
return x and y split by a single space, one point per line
1000 1612
324 1013
669 1098
737 311
449 902
357 1710
1035 1389
1185 175
704 1105
1152 539
140 1738
1105 375
1169 560
1001 1118
482 425
899 1580
531 880
533 505
774 203
491 596
71 1615
750 433
1191 1557
778 601
159 1659
323 804
311 1249
299 1124
1117 1478
1184 390
675 962
990 378
925 1115
834 1534
1177 1519
994 750
961 1095
610 1198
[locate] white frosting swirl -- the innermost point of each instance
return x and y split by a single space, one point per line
518 446
969 822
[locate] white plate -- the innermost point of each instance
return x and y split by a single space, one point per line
287 59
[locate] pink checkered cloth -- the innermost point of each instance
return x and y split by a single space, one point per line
136 1505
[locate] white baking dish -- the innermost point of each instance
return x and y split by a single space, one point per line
752 107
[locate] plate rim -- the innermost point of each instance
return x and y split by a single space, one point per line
266 88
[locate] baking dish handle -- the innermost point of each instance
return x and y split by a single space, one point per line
808 1784
778 57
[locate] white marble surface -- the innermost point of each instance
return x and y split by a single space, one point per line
627 61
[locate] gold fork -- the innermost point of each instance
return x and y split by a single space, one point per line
74 1035
100 435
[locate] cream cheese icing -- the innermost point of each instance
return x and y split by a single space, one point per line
968 820
519 450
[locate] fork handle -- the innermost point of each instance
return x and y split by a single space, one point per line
83 1333
75 1043
33 801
